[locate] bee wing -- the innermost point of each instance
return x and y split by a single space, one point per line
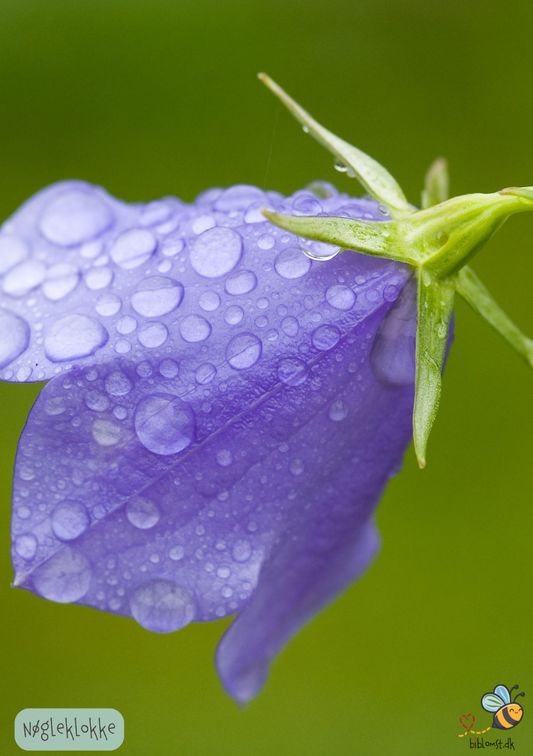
503 692
492 702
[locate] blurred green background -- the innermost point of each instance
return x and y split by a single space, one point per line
157 97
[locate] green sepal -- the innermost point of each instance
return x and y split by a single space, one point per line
437 184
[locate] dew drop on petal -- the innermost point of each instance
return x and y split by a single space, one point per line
205 373
325 337
292 371
241 551
176 553
14 337
142 513
233 315
162 606
152 334
292 263
290 326
26 546
168 368
157 296
60 280
133 248
69 520
194 328
340 297
224 457
243 351
108 304
306 206
241 282
106 433
209 301
74 336
338 411
238 197
126 324
164 424
24 277
98 278
64 578
74 217
95 401
117 383
296 467
12 251
266 241
202 223
216 252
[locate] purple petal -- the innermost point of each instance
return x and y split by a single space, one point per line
223 418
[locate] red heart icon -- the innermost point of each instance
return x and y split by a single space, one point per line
469 724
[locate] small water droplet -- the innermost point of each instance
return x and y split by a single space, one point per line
203 223
106 433
243 351
340 297
54 406
194 328
292 263
152 334
164 424
240 282
96 401
176 553
133 248
266 241
74 336
306 206
14 337
209 301
117 383
233 315
69 520
64 578
108 304
126 324
142 513
60 280
290 326
325 337
216 252
338 411
224 457
292 371
12 251
98 278
157 296
205 373
242 551
168 368
24 277
162 606
224 572
296 467
26 546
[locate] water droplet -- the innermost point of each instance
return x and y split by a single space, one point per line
133 248
296 467
152 334
168 368
238 197
393 352
224 457
162 606
205 373
142 513
292 263
108 304
64 578
292 371
144 369
54 406
290 326
173 248
242 551
243 351
203 223
224 572
209 301
14 337
338 411
164 424
155 212
216 252
126 324
60 280
233 315
98 278
325 337
122 346
69 520
254 214
306 206
317 250
96 401
262 303
340 297
176 553
106 433
117 383
241 282
194 328
26 546
74 336
266 241
12 251
75 217
120 412
24 277
157 296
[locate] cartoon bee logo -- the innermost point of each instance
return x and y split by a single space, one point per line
507 713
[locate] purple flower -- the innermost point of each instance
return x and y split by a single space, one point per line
223 413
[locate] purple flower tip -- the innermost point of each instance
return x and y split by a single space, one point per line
222 416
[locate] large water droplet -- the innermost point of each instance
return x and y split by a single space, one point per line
162 606
117 383
243 351
209 301
240 282
69 520
238 197
75 217
216 252
292 371
65 577
326 337
242 551
98 278
24 277
164 424
12 251
142 513
60 280
292 263
26 546
340 297
108 304
14 337
133 248
74 336
157 296
152 334
194 328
